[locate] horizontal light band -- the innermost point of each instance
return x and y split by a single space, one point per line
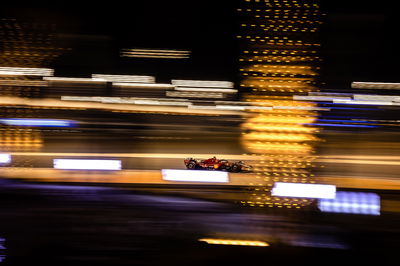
33 122
318 98
352 202
372 97
68 79
216 241
86 164
362 102
375 85
195 176
23 83
203 83
206 89
155 53
304 190
125 78
5 158
143 85
26 71
187 94
164 51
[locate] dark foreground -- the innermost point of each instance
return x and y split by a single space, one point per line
46 224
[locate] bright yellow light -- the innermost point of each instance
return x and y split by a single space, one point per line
279 137
216 241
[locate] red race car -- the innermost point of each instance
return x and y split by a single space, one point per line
216 164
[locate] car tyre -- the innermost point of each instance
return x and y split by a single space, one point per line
235 168
191 165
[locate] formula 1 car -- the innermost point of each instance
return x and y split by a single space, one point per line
216 164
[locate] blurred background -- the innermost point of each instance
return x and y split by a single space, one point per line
101 103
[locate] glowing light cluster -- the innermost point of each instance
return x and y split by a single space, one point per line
279 60
352 202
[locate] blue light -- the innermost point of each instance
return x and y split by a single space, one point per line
343 121
34 122
338 125
352 202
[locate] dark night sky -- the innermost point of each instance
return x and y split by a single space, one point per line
358 38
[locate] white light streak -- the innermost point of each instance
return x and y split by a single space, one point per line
231 107
308 108
68 79
143 85
318 98
206 89
86 164
125 78
194 94
304 190
369 97
195 176
26 71
202 83
128 100
364 102
5 158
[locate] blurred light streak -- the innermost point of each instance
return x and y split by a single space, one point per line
202 83
375 85
340 125
125 78
69 79
307 108
155 177
142 85
352 202
36 122
140 155
330 94
30 83
206 90
344 121
5 158
78 103
319 98
279 137
128 100
357 161
86 164
195 176
155 53
26 71
303 190
231 107
195 95
217 241
372 97
364 102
